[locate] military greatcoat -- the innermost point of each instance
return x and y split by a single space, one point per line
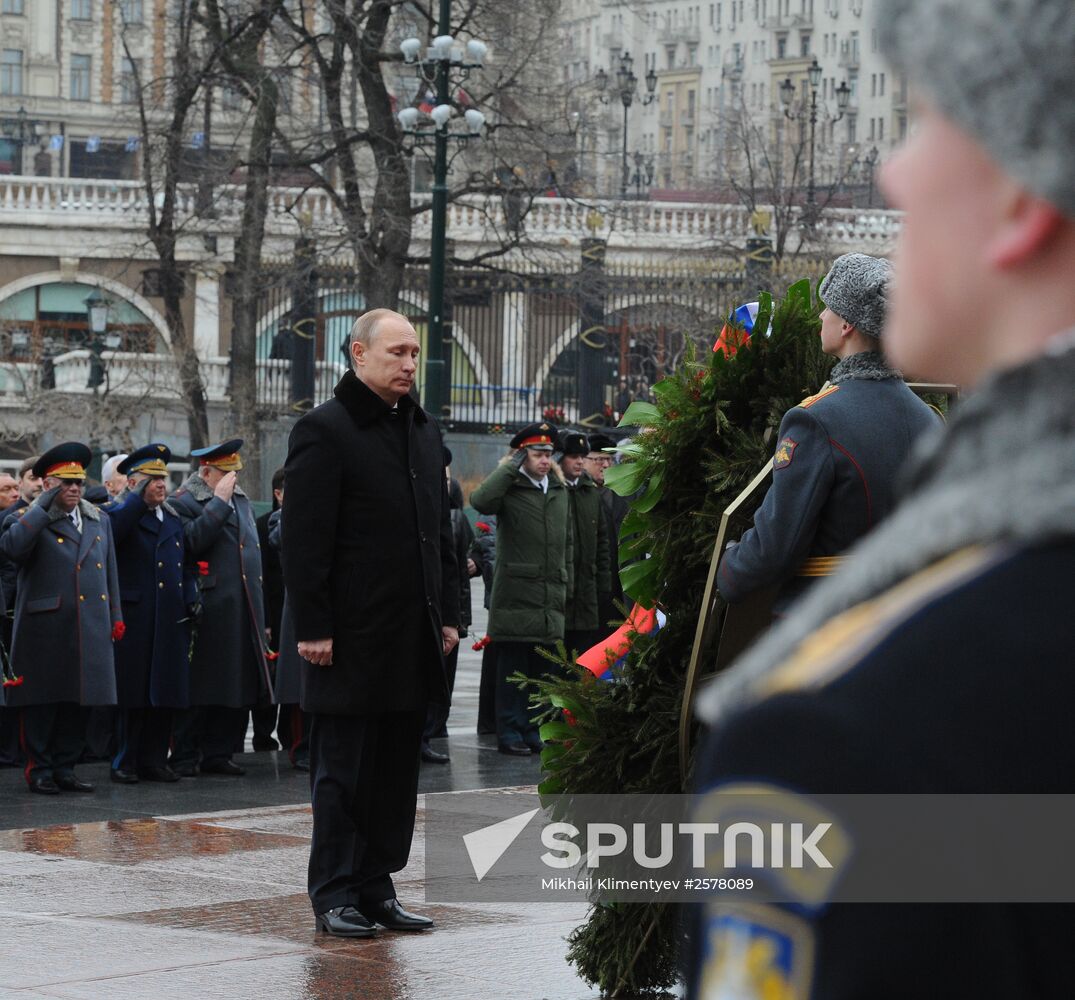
68 601
228 666
157 587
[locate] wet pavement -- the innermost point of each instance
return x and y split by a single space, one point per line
197 890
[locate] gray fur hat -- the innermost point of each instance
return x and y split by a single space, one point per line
855 290
1004 71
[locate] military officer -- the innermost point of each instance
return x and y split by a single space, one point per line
159 593
228 670
614 508
67 615
838 453
532 576
582 621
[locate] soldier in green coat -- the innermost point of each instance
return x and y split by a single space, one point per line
532 576
584 626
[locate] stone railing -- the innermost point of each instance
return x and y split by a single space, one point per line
477 220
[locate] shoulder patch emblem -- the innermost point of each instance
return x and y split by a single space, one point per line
757 952
785 452
817 397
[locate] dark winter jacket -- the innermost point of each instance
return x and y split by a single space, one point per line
534 557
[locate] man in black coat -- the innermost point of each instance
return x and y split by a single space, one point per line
158 593
371 581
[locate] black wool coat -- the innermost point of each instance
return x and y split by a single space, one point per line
368 552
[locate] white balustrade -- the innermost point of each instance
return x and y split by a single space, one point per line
472 220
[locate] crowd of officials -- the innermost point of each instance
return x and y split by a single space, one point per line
151 629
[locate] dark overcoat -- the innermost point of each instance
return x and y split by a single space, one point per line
367 552
157 587
589 525
288 682
67 601
227 665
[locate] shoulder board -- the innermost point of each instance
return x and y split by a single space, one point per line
818 396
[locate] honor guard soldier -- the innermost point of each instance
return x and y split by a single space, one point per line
583 626
228 671
532 576
159 594
67 615
936 663
838 453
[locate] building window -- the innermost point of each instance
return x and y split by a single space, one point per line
80 77
881 81
804 44
13 7
781 46
132 11
11 71
82 10
852 128
128 81
880 129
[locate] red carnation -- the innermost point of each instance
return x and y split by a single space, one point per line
569 718
271 654
481 644
13 682
482 526
119 630
203 568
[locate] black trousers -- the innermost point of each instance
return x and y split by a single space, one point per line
364 790
10 751
513 712
580 640
206 733
53 737
142 736
487 691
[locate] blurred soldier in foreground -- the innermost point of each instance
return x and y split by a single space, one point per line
838 453
159 593
228 671
938 658
67 614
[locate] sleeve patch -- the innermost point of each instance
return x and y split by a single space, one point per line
756 952
785 452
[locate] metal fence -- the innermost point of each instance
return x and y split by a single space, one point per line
517 354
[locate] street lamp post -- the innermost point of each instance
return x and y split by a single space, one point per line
626 84
809 111
870 164
643 175
98 309
21 130
441 57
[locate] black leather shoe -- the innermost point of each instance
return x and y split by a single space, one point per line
391 915
345 921
535 746
186 770
122 777
158 774
71 783
431 756
43 786
223 767
301 764
514 749
262 743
